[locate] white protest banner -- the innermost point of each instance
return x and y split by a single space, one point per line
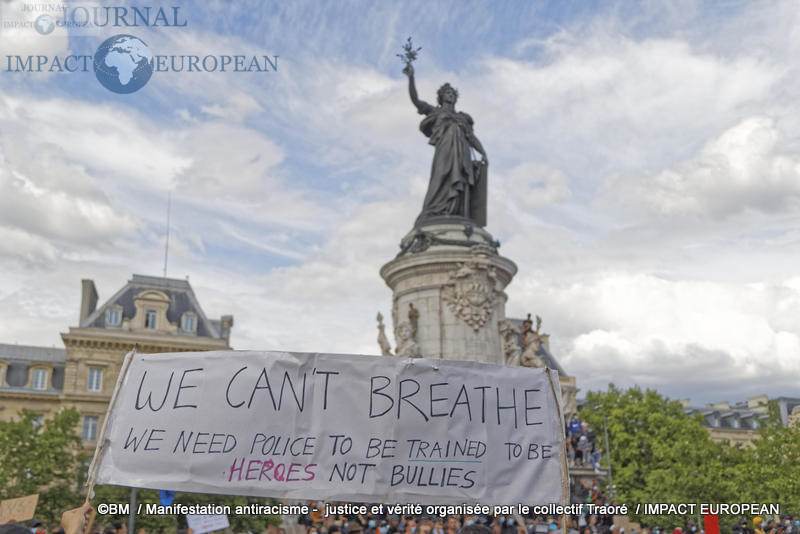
200 524
336 427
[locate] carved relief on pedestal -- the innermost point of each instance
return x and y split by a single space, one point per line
470 291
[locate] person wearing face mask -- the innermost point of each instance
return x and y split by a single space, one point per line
474 528
354 527
509 526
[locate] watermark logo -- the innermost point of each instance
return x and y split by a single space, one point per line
44 24
123 64
85 18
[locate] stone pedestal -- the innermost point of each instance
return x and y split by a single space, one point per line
452 275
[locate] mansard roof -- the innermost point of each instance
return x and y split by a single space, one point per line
181 300
21 358
31 354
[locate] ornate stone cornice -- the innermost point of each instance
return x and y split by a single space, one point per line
116 341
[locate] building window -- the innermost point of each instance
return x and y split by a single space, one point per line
150 319
39 379
95 380
113 317
89 432
38 421
189 323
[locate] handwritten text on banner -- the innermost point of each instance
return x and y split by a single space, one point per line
336 427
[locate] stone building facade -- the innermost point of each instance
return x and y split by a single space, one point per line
150 313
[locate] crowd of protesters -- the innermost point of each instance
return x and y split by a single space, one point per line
583 450
423 524
385 523
34 526
582 491
74 522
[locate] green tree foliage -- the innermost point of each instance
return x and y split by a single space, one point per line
658 453
773 474
42 458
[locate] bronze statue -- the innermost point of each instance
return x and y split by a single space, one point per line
457 185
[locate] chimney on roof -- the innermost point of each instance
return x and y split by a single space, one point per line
227 323
88 299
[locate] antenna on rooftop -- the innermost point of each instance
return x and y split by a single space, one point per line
166 244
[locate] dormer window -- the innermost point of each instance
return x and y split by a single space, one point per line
113 316
39 379
151 313
189 323
150 319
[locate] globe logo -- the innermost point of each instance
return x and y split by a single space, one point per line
123 64
44 24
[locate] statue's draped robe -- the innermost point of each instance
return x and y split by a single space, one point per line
452 170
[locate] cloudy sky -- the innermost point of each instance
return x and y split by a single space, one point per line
645 177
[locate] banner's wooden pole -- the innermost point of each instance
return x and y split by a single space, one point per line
101 438
564 466
90 523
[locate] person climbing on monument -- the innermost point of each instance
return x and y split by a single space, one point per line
454 178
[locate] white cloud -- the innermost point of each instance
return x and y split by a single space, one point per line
238 107
25 246
605 101
672 334
111 140
226 161
746 167
50 198
532 186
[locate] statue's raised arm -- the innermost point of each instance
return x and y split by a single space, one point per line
422 107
